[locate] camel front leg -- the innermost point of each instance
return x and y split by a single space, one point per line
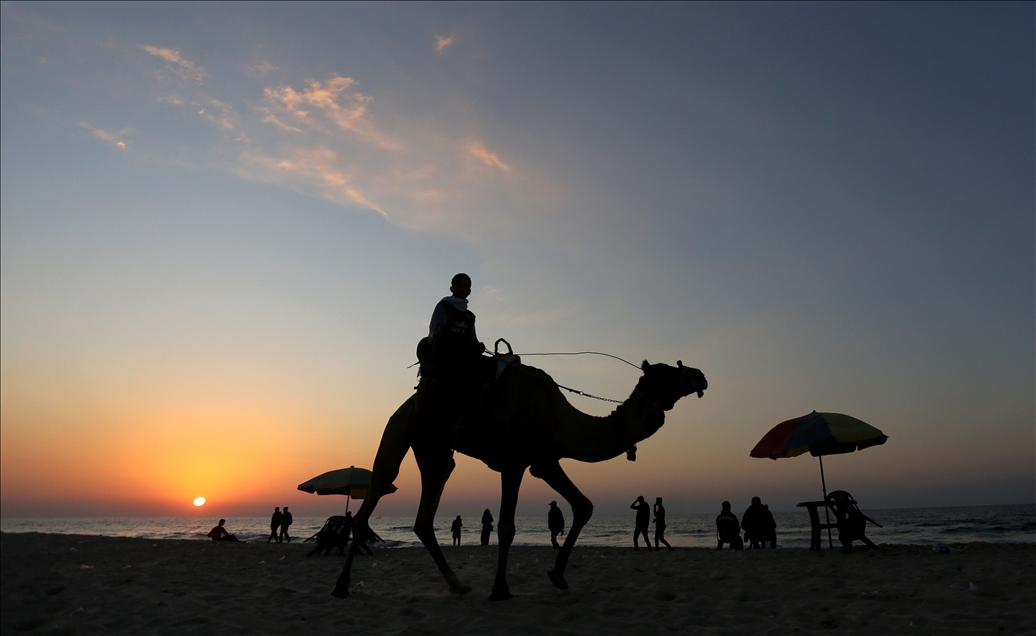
435 464
582 510
510 484
395 442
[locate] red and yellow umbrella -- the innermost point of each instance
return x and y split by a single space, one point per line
820 434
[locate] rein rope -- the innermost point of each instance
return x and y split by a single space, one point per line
564 353
583 353
584 394
496 352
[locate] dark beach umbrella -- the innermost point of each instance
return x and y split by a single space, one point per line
352 482
820 434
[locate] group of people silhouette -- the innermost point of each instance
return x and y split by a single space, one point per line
643 516
757 523
280 522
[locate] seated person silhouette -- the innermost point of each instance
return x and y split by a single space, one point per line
758 524
851 520
219 533
728 529
450 359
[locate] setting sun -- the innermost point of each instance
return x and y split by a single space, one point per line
199 501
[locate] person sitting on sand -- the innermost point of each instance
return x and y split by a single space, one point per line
660 524
219 533
728 529
487 526
555 523
643 516
457 525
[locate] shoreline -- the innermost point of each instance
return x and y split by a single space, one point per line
78 584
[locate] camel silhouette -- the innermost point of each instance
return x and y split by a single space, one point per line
522 421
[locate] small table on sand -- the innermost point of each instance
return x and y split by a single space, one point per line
814 521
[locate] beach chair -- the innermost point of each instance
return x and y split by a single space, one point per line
333 534
851 521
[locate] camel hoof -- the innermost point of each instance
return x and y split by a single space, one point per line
558 580
460 589
340 592
500 596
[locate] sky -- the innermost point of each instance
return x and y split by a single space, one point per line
224 228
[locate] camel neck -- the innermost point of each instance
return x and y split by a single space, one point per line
595 439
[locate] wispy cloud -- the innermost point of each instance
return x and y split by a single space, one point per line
219 114
112 138
479 152
319 167
185 69
345 108
442 43
262 69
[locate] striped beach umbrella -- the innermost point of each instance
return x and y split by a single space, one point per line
820 434
352 482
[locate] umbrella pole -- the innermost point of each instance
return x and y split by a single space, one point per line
827 514
347 498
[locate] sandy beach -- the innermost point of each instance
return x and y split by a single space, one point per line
68 584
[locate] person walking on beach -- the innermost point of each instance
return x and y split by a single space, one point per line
728 529
556 524
275 524
457 525
660 524
487 526
285 522
643 515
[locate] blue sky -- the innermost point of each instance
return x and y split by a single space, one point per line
224 227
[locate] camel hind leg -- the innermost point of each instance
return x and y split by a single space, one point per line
582 510
395 442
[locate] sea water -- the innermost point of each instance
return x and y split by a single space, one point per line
916 526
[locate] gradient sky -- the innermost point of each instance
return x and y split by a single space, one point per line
224 227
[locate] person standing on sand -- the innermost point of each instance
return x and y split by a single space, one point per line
556 524
643 515
275 524
487 526
660 524
457 525
285 522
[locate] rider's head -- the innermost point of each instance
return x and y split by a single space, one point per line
461 285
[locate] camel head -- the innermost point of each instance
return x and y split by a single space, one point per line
664 384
